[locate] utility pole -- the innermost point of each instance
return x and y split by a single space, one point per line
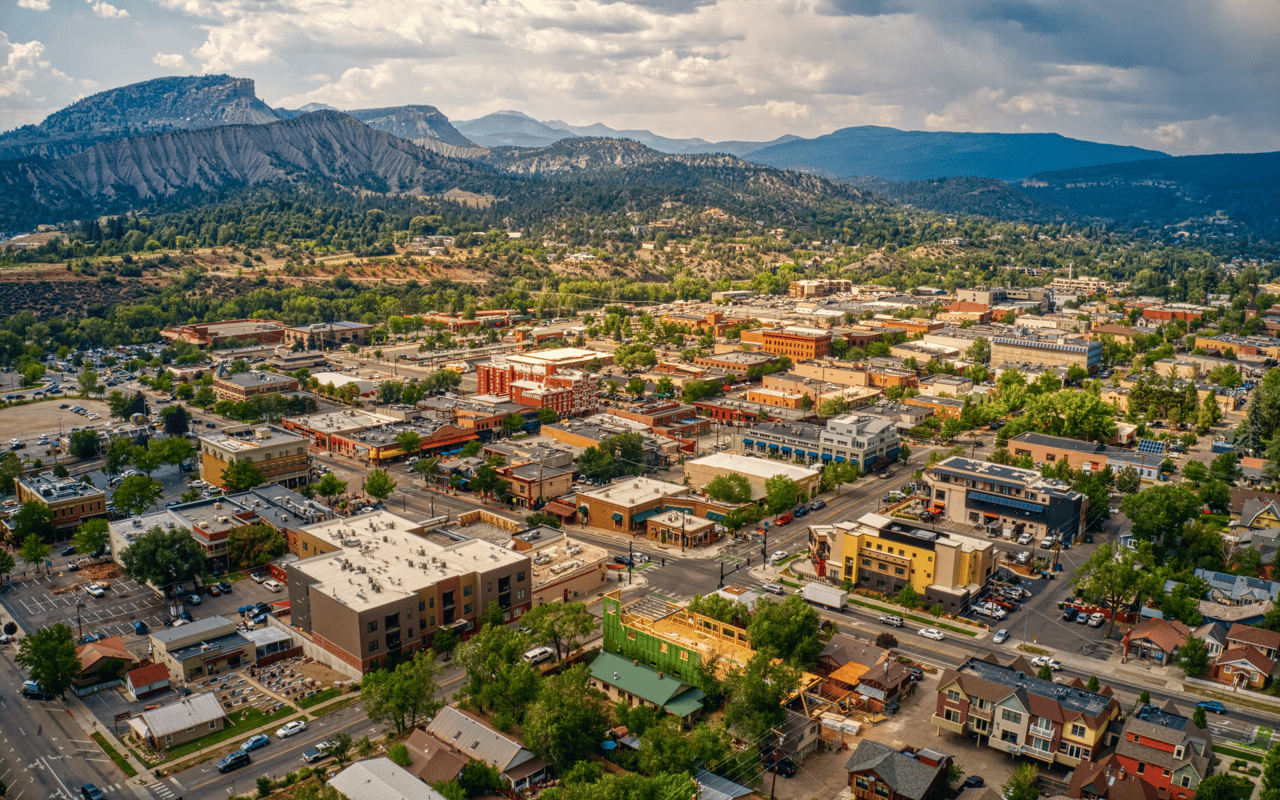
777 757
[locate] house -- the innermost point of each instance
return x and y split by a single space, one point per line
860 674
1264 641
146 681
1214 636
801 735
1165 750
108 655
1242 666
1106 779
640 685
431 760
1156 640
714 787
1239 590
188 719
477 740
1227 615
878 772
381 779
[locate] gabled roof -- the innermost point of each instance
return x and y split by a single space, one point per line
1166 634
198 709
1246 655
95 653
643 681
842 649
381 779
145 676
1240 588
1259 638
432 760
475 739
1106 778
909 777
1239 496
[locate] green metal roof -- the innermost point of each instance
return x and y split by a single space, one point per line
646 683
645 515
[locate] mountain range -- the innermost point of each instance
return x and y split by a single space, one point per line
171 139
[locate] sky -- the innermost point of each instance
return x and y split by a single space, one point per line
1182 76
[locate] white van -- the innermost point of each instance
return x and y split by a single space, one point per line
273 586
539 654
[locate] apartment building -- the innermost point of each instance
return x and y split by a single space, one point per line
243 385
1165 751
797 342
866 441
1015 712
1004 500
70 502
280 455
386 589
884 554
496 376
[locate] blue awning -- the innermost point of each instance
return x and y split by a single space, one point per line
773 447
826 456
617 517
786 449
840 459
748 442
715 515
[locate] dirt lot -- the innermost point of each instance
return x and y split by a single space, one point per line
28 421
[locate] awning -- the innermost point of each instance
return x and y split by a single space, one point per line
840 459
826 456
617 517
773 447
748 442
644 515
715 515
786 449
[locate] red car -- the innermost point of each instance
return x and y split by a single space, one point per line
783 518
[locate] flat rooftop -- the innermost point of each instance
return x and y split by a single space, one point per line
560 355
633 491
246 439
53 489
384 557
757 467
741 357
258 378
348 419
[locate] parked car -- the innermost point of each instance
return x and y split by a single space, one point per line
623 560
932 633
799 511
783 766
892 620
34 691
194 599
1082 618
224 587
254 742
1069 614
70 550
817 504
273 586
95 590
290 728
318 752
141 628
1096 619
778 557
1046 661
213 590
783 518
1000 637
91 792
234 760
1212 706
973 782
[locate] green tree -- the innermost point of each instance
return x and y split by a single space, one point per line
49 654
548 416
330 487
173 450
1093 684
636 387
10 469
497 678
92 535
1225 468
788 629
177 422
562 625
341 747
1224 786
1199 718
471 449
512 423
567 722
781 493
904 453
34 551
135 494
119 454
731 488
84 444
1106 578
242 475
254 545
1270 782
756 695
88 382
721 608
1193 658
409 442
980 350
379 484
833 407
161 557
1158 514
6 565
908 597
1045 673
31 519
1023 784
1128 480
402 696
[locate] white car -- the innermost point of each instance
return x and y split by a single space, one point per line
290 728
1046 661
932 633
95 590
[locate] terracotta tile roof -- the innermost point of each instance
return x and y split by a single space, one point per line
1166 634
145 676
1257 637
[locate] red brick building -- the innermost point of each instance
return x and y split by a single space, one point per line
797 343
545 379
1166 751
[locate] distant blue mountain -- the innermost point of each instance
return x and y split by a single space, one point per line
920 155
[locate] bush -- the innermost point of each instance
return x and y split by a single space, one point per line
399 754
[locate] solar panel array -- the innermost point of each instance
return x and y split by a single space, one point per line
1150 446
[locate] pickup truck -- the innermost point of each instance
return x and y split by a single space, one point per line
783 518
318 752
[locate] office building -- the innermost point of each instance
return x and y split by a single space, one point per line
240 386
327 335
280 455
1001 500
868 442
798 343
70 502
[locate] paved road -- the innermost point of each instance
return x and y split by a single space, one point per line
43 752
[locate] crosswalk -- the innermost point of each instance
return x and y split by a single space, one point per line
164 791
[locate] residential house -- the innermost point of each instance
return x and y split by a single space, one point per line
143 682
1264 641
1156 640
638 684
860 675
431 760
381 779
188 719
1164 749
1105 779
1238 589
878 772
516 763
1214 636
1242 666
103 660
1013 711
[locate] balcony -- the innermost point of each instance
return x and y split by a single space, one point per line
947 725
1046 733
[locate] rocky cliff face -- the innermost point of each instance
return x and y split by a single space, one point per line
412 122
324 145
164 104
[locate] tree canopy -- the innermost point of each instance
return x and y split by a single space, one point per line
161 556
49 654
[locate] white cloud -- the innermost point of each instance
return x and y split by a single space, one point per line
105 10
34 5
169 60
27 80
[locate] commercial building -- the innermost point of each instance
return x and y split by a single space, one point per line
379 444
819 288
798 343
201 649
545 379
866 441
70 502
327 335
243 385
735 362
1004 500
940 407
627 505
1256 346
569 393
245 331
171 725
1087 456
1021 344
322 430
385 589
793 383
534 484
280 455
666 417
701 471
1014 712
884 554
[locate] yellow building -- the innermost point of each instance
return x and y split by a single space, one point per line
282 456
884 555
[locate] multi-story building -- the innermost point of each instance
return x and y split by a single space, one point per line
797 342
280 455
1010 344
327 335
1257 346
713 322
544 379
1088 456
666 417
885 554
910 326
792 383
243 385
206 334
865 441
569 393
1015 712
819 288
533 484
627 504
385 589
378 445
70 502
1007 500
757 471
940 407
1182 312
735 362
878 772
1166 751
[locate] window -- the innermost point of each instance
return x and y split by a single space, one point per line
373 646
519 577
881 789
1177 753
1142 767
1166 773
979 725
662 646
1186 782
1044 724
466 609
1009 736
953 695
466 591
866 562
1077 730
684 655
422 605
1009 715
861 783
983 705
951 715
372 626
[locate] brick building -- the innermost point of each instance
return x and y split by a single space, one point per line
327 335
241 386
1166 751
544 379
280 455
798 343
206 334
70 502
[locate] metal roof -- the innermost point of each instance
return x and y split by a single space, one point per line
380 779
199 709
477 740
